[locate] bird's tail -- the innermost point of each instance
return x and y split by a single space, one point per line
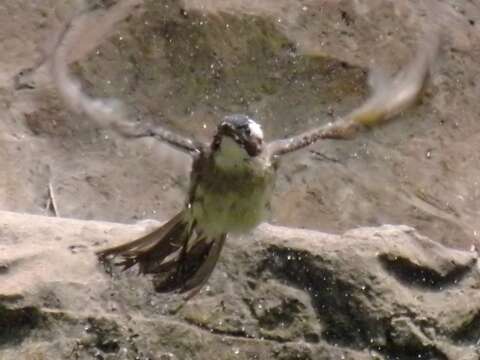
181 258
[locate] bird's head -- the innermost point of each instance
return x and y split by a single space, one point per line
243 130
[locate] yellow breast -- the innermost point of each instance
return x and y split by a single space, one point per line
233 198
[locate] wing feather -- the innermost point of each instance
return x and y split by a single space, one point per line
106 112
387 100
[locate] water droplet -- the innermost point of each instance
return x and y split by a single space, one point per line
304 8
236 350
167 356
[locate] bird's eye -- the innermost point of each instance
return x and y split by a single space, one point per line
245 129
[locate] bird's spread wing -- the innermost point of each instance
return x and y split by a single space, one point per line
389 98
106 112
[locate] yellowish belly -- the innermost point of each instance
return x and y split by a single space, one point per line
232 203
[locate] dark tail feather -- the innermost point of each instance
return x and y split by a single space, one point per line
192 270
162 235
180 258
152 249
201 276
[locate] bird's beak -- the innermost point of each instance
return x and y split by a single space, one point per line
253 146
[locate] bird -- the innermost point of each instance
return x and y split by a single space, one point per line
232 176
230 185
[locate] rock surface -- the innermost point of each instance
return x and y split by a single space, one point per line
279 293
371 293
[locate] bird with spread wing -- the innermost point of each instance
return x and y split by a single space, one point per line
231 177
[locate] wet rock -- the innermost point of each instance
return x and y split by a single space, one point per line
278 293
371 293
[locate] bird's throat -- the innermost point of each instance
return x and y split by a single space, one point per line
231 157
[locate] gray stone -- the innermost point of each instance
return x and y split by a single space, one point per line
277 293
370 293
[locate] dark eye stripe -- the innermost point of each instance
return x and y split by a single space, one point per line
246 128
